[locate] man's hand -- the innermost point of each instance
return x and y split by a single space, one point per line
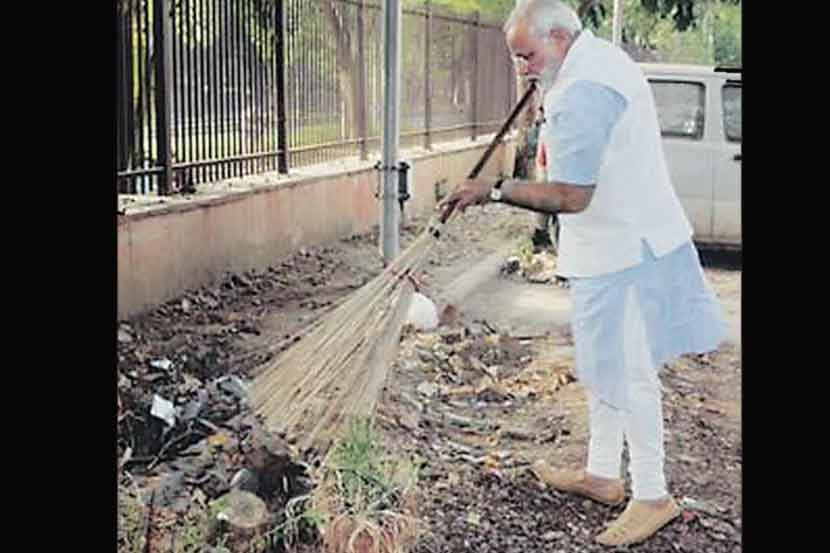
471 192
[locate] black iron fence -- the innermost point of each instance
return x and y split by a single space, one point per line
225 88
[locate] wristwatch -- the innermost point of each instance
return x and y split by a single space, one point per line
495 192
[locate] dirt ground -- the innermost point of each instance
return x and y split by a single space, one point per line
473 404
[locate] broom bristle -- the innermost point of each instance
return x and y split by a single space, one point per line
337 371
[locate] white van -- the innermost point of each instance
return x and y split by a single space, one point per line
699 109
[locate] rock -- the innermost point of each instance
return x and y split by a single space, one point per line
241 518
270 457
553 535
186 305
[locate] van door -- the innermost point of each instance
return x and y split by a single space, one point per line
681 109
727 198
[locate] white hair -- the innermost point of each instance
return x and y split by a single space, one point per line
544 16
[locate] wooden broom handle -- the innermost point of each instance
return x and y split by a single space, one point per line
495 142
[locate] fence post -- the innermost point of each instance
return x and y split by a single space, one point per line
282 141
362 131
474 86
164 62
121 110
427 80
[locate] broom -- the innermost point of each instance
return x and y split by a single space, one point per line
335 374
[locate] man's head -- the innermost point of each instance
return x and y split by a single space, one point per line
539 34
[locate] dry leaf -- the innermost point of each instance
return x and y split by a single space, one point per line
457 391
220 439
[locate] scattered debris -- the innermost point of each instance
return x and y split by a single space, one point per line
466 385
124 335
510 266
164 410
428 389
162 364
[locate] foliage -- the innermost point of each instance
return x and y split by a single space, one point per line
713 39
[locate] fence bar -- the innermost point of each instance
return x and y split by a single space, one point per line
282 141
163 66
130 173
216 38
427 80
474 86
178 85
138 160
259 78
208 162
362 130
211 89
203 138
250 37
226 95
210 53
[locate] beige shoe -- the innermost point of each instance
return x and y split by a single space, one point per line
638 522
573 481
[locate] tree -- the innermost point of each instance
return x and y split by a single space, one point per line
335 13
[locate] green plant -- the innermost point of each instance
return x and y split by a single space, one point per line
131 521
366 495
525 252
360 470
192 534
300 517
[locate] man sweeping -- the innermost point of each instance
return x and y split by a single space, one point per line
639 295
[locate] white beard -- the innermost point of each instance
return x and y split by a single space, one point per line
548 77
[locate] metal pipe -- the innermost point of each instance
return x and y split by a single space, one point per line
390 216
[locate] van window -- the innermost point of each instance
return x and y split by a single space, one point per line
680 108
732 112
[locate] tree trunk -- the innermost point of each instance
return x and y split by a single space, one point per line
346 71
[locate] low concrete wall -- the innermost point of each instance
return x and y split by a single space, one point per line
169 245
